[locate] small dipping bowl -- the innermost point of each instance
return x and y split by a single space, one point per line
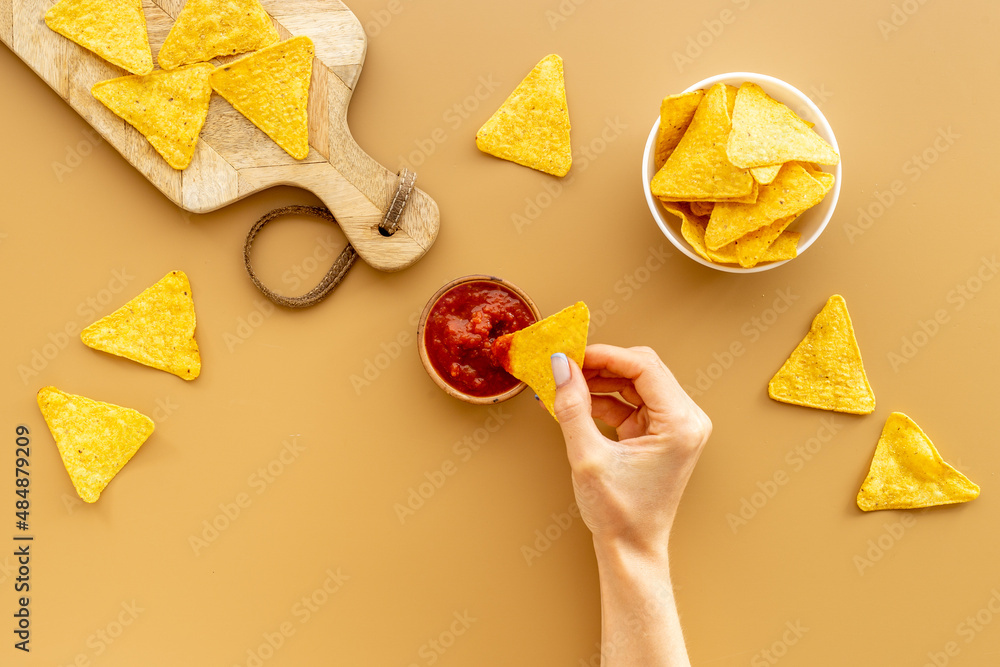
425 356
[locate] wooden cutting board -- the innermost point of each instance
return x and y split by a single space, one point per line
235 159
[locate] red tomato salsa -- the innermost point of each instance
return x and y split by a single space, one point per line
460 331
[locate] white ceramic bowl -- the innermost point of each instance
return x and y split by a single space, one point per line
811 223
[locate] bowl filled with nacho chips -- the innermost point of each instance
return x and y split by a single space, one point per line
741 172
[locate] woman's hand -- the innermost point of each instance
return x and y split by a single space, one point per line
628 491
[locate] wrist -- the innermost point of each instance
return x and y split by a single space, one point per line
622 559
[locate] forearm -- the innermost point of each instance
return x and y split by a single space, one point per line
640 625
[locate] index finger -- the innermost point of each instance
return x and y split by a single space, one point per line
652 379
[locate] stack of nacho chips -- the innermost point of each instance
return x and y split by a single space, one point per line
738 168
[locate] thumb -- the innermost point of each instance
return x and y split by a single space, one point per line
572 408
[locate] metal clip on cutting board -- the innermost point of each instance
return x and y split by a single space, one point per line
234 159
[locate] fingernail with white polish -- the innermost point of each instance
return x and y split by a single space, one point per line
560 369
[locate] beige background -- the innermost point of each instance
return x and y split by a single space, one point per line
281 377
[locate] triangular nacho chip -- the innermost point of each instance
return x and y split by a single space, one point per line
271 88
752 247
113 29
907 472
532 126
693 231
792 192
208 28
698 168
825 371
155 328
766 132
168 108
526 354
765 175
702 209
95 439
676 112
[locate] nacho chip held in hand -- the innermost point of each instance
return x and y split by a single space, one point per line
271 89
113 29
526 354
532 126
95 439
155 328
907 472
825 370
168 108
208 28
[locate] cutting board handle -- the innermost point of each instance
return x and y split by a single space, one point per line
358 191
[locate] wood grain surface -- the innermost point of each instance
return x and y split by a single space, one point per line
234 158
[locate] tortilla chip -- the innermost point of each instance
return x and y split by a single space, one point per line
731 92
792 192
693 231
766 132
753 247
95 439
532 126
168 108
676 112
907 472
113 29
155 328
825 179
786 246
526 354
271 88
208 28
698 169
702 209
765 175
825 371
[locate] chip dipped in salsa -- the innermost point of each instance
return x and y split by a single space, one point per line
460 331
